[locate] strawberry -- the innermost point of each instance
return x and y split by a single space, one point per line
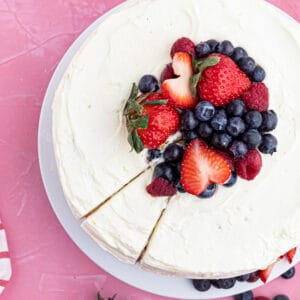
290 254
183 44
202 166
223 82
167 73
161 187
257 97
177 90
265 274
149 120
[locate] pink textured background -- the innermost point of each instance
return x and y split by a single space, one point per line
47 265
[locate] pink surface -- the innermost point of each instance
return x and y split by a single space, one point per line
46 264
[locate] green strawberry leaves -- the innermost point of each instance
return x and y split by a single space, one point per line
133 112
199 66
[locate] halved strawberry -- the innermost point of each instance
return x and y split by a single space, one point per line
265 274
177 90
202 166
290 254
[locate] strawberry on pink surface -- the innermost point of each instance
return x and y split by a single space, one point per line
161 187
183 44
202 166
223 82
177 90
257 97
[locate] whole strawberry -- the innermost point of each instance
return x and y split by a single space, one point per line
149 120
223 82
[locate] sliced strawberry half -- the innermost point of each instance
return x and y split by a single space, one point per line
178 89
202 166
265 274
290 254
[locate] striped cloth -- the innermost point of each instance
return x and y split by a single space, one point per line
5 266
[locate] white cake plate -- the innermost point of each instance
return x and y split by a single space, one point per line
132 275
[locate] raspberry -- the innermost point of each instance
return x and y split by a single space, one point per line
161 187
249 166
257 98
167 73
183 45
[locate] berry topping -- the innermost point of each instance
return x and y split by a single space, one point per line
265 274
238 53
178 89
227 283
202 166
227 157
153 154
165 171
257 97
289 273
225 48
249 166
252 138
209 192
179 187
183 44
190 135
221 140
223 82
202 50
232 180
202 285
244 277
268 144
204 130
247 64
167 73
149 120
236 108
238 149
253 119
204 111
290 254
161 187
269 121
173 152
188 120
261 298
281 297
148 83
235 126
253 277
244 296
213 44
258 74
219 121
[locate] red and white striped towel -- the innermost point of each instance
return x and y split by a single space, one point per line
5 266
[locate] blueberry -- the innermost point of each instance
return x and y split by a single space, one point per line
268 144
269 121
173 152
232 180
179 187
219 121
165 171
204 111
238 53
225 48
243 278
202 285
235 126
244 296
188 120
247 64
253 119
289 273
221 140
258 74
236 108
281 297
148 83
225 283
209 192
252 138
190 135
153 154
202 50
238 149
213 44
204 130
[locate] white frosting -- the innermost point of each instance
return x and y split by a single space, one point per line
240 229
123 225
